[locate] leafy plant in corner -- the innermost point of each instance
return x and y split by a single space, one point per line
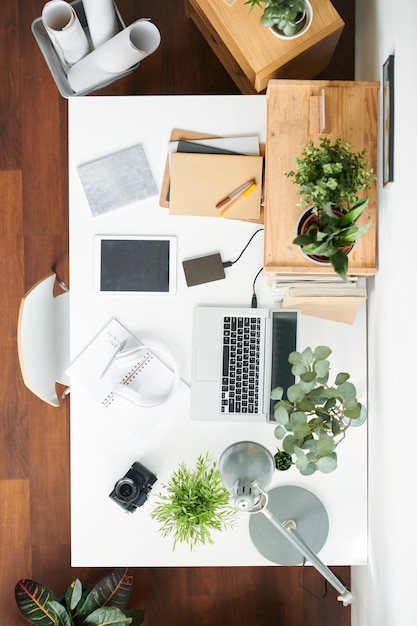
103 603
314 417
195 504
329 178
284 14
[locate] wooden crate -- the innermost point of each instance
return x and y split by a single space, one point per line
294 117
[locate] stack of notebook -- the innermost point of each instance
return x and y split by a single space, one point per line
213 177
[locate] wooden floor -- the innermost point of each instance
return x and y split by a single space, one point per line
34 455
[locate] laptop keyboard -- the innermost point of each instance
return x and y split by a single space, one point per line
241 356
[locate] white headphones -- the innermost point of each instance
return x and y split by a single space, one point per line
131 356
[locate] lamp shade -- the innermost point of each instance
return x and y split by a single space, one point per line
243 465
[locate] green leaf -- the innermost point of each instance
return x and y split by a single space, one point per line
301 459
107 616
321 353
347 390
308 377
113 590
280 432
290 443
321 368
325 445
281 414
340 262
298 417
309 469
341 377
295 393
295 357
62 617
327 464
33 602
301 431
277 393
73 594
354 412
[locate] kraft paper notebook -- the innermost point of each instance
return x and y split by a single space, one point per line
200 181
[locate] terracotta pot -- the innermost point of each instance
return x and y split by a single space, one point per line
307 219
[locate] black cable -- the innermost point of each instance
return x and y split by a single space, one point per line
254 302
309 591
230 263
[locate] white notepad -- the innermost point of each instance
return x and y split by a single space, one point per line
96 369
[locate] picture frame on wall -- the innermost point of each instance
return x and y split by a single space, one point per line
388 120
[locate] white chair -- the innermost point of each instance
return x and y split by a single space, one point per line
43 339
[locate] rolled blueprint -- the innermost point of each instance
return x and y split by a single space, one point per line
101 19
114 57
65 31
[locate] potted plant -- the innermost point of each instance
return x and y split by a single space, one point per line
195 503
103 603
315 415
286 18
329 178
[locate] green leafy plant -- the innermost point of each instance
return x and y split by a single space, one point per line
330 173
103 603
314 417
195 504
329 178
284 14
332 233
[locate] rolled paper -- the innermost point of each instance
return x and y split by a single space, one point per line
65 31
114 57
101 19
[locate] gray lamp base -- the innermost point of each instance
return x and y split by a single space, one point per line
300 505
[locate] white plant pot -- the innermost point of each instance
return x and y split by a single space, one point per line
303 29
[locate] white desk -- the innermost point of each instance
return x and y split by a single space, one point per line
102 449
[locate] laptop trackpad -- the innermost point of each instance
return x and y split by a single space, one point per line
207 363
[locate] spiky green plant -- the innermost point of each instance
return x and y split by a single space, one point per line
194 504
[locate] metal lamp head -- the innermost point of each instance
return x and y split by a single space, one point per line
246 469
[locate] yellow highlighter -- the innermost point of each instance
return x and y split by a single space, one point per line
242 195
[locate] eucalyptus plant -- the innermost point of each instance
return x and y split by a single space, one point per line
103 603
313 418
280 13
194 504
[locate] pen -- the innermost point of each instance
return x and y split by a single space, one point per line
109 364
242 195
235 194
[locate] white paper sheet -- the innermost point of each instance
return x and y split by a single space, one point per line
101 19
117 55
65 31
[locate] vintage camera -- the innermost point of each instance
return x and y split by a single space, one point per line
132 490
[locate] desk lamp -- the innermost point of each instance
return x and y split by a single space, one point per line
247 468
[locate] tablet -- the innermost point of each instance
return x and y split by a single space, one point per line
136 264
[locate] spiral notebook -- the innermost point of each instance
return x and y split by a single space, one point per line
98 371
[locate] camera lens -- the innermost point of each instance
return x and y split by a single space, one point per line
126 489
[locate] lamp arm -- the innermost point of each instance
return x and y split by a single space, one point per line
294 538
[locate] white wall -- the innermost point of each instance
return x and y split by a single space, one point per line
385 590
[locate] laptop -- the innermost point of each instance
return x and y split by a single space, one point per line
238 356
